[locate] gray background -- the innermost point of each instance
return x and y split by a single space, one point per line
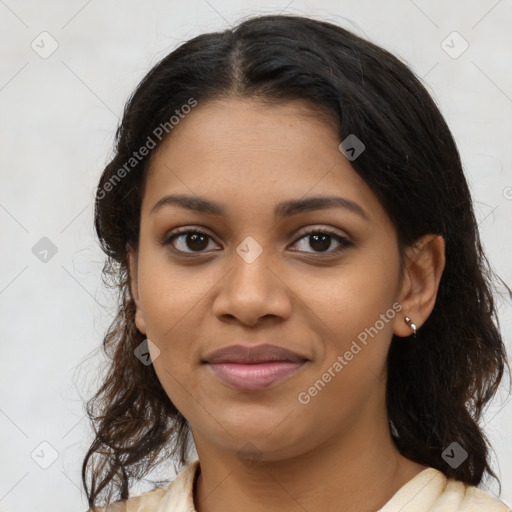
59 113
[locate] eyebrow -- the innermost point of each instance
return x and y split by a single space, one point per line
281 210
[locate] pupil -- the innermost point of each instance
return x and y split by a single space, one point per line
194 237
324 243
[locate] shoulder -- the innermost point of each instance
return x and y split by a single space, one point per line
145 502
432 491
176 496
468 498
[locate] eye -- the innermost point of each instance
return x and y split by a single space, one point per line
320 240
191 240
188 238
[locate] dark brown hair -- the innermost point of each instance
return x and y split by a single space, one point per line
438 386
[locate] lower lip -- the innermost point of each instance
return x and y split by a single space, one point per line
253 377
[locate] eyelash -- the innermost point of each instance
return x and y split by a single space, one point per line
345 242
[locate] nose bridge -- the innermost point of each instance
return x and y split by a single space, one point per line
250 273
251 288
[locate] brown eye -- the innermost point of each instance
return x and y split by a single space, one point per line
321 240
188 241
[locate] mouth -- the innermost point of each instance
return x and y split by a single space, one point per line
254 368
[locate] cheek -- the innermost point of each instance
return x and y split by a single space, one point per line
174 300
351 297
168 292
355 311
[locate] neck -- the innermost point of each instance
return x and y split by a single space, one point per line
358 471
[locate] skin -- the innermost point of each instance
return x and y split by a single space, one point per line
336 449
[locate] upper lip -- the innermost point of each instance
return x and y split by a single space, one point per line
244 354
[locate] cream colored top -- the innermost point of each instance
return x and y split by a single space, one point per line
428 491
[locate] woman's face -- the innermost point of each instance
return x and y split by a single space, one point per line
255 276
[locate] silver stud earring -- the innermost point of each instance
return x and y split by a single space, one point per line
411 324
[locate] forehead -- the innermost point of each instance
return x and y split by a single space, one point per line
246 153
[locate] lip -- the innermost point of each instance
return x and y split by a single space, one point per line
252 368
245 354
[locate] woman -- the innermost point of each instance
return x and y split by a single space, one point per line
303 289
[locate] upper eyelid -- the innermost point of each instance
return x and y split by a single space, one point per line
314 228
308 230
305 230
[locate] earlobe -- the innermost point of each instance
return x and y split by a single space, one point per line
132 266
424 266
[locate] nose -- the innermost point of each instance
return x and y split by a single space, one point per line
252 290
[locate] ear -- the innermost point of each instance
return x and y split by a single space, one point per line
425 261
132 264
